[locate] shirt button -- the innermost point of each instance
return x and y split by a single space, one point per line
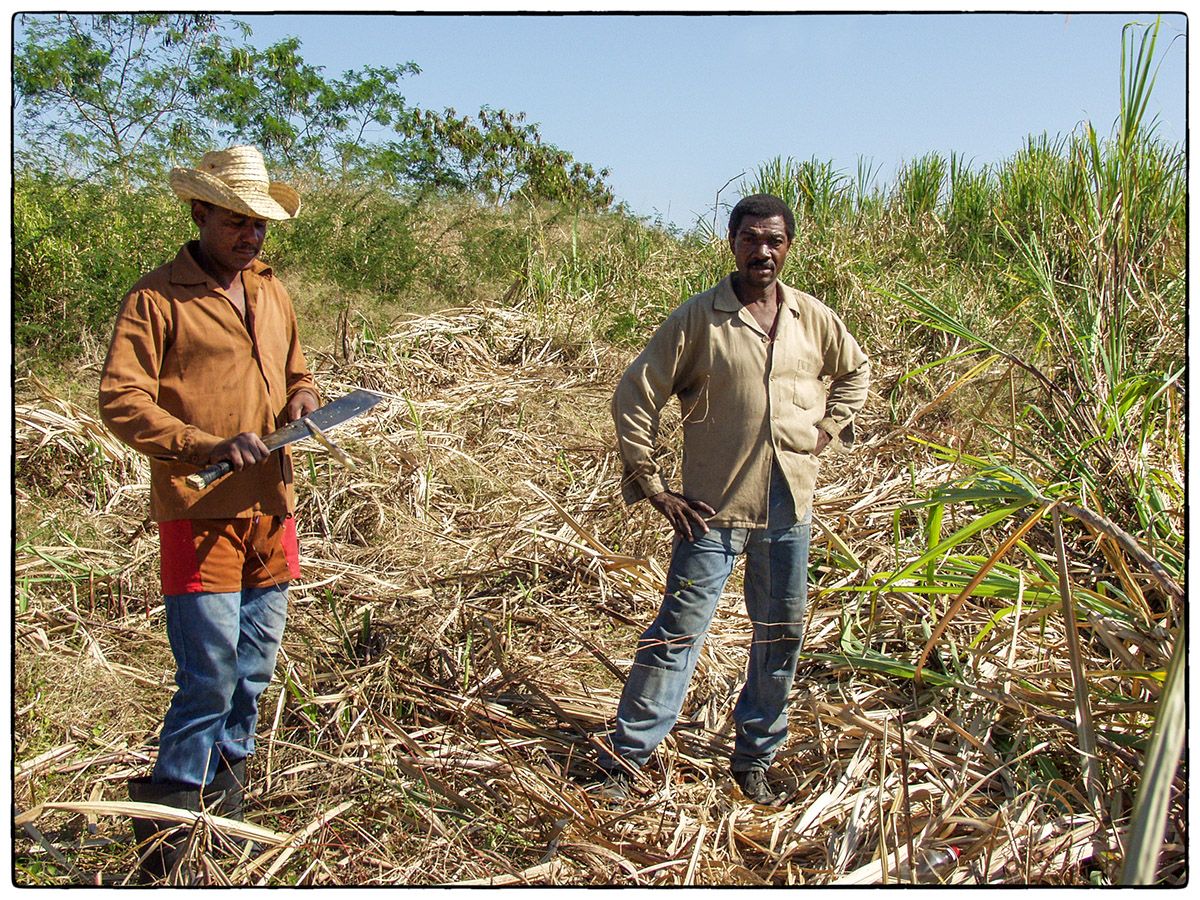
764 340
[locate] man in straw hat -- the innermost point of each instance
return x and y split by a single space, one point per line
204 359
749 360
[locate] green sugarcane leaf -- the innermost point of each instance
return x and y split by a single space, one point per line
987 520
1158 773
877 662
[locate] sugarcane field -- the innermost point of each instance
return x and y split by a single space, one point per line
990 686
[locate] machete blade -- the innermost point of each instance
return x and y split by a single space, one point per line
333 413
327 416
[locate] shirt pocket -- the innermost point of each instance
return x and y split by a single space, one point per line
809 392
808 407
694 403
808 388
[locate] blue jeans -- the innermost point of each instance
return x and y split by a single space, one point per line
776 588
225 647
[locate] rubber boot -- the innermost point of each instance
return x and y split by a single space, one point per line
225 795
161 855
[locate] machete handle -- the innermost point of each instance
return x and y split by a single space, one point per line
202 479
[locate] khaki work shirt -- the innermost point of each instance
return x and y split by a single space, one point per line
185 372
745 400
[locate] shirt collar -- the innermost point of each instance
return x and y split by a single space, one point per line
185 269
726 300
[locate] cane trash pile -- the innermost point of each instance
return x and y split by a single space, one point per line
472 593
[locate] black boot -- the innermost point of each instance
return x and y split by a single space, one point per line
225 795
160 856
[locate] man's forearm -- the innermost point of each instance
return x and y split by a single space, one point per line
641 476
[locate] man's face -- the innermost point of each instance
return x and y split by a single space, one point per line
760 247
230 240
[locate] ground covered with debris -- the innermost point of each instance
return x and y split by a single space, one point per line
471 599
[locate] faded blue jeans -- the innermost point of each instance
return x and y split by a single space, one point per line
776 588
225 647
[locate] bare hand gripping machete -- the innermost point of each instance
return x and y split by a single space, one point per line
312 425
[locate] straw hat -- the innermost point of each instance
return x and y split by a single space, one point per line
236 179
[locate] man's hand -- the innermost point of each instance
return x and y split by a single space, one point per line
686 516
301 405
823 440
241 450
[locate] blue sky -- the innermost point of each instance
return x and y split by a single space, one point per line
677 105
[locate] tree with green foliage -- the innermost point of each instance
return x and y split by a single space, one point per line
300 119
126 95
109 94
498 155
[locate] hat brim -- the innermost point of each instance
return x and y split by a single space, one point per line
279 203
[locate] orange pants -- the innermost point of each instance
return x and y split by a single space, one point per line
225 555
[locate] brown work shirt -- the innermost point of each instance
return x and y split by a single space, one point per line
185 372
746 399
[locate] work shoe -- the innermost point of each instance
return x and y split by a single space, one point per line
617 785
757 789
160 854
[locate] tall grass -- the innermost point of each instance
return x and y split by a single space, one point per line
1092 228
1102 388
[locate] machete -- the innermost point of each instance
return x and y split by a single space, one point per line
329 415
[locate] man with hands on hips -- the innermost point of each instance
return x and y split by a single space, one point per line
767 377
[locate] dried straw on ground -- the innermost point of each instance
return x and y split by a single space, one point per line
472 595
